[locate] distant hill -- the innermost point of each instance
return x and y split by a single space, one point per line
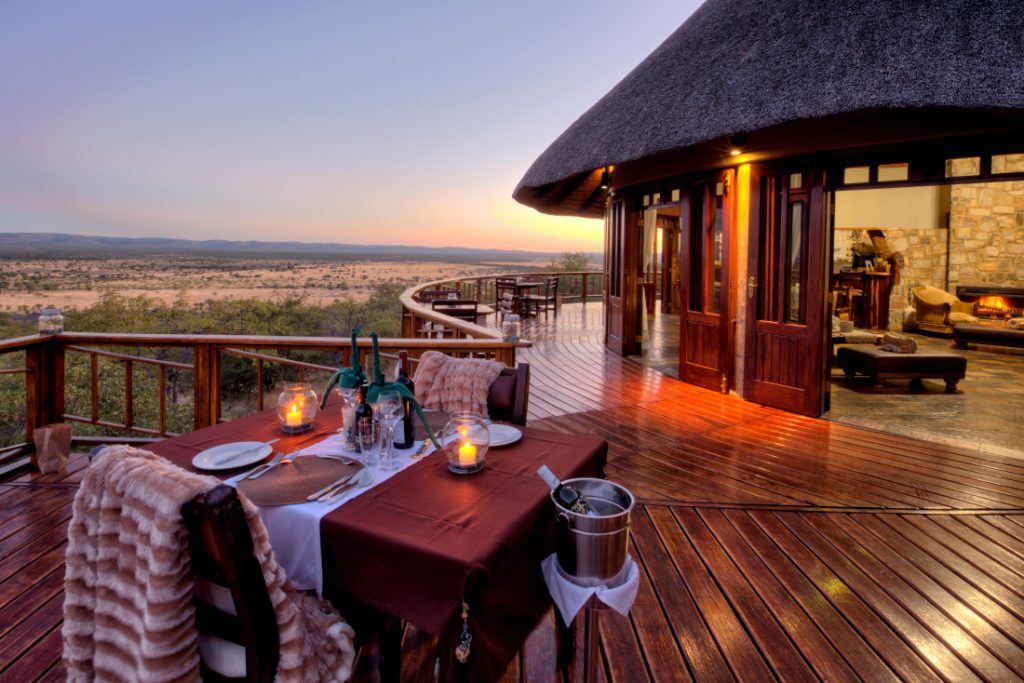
24 244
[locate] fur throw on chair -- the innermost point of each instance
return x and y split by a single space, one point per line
128 611
452 384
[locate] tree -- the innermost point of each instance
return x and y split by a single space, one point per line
571 261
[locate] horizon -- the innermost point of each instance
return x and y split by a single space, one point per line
320 123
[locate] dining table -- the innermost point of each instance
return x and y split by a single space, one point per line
439 550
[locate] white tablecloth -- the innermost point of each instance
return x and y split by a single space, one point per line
294 530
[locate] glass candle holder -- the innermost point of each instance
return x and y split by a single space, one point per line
296 408
465 440
51 321
510 327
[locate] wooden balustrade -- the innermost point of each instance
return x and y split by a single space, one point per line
420 320
45 365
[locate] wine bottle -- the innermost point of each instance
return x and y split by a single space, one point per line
364 413
565 494
404 434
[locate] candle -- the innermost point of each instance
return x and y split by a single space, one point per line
293 418
467 454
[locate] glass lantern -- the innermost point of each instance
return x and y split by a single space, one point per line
465 440
296 408
51 321
510 327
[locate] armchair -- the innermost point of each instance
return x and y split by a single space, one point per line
938 310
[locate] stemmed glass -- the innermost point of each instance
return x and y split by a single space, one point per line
391 411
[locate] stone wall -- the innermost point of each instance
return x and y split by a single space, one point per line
987 235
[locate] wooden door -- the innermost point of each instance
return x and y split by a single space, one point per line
704 321
622 278
785 293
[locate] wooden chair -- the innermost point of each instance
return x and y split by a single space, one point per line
546 300
428 295
463 309
231 598
505 290
509 395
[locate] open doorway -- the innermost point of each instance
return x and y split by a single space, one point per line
939 264
660 286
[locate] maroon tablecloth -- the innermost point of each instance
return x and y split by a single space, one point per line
419 543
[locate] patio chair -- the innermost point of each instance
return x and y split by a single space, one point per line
233 608
207 558
463 309
509 396
505 290
428 295
546 300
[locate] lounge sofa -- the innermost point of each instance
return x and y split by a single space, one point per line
993 335
938 310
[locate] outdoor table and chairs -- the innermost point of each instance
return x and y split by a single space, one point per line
523 292
447 553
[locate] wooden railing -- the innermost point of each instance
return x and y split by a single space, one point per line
47 358
419 319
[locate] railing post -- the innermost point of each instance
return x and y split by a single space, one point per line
44 385
583 285
203 377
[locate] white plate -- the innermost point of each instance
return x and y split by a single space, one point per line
204 460
503 435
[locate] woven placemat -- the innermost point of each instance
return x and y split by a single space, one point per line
292 483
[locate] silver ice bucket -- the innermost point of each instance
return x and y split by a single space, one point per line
592 549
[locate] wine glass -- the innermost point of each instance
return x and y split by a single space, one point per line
391 411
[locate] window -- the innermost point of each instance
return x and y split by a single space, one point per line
1007 163
893 173
794 263
854 175
963 167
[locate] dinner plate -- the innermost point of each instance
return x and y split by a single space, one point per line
205 460
503 435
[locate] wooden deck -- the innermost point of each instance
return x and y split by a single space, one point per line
772 546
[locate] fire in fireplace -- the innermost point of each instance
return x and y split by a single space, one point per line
993 302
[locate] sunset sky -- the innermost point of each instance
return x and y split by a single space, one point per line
370 122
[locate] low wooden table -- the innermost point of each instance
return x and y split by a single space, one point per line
879 364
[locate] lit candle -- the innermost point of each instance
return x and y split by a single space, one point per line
467 454
293 418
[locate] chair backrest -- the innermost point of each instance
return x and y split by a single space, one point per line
509 396
551 286
464 309
433 294
231 598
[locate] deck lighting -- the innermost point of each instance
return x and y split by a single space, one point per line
736 144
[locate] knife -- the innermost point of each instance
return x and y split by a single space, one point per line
224 459
343 480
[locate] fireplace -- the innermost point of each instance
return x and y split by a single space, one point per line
993 302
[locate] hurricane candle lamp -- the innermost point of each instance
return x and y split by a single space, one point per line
296 408
466 439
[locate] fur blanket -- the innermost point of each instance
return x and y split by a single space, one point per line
128 611
453 384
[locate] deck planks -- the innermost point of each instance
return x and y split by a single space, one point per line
771 546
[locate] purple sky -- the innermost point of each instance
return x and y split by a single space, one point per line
374 122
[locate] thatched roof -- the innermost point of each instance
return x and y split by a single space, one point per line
743 66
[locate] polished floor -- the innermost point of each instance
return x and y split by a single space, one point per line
983 415
770 546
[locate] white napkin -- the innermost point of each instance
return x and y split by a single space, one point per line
570 597
294 530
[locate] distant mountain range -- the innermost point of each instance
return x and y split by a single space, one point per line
27 244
